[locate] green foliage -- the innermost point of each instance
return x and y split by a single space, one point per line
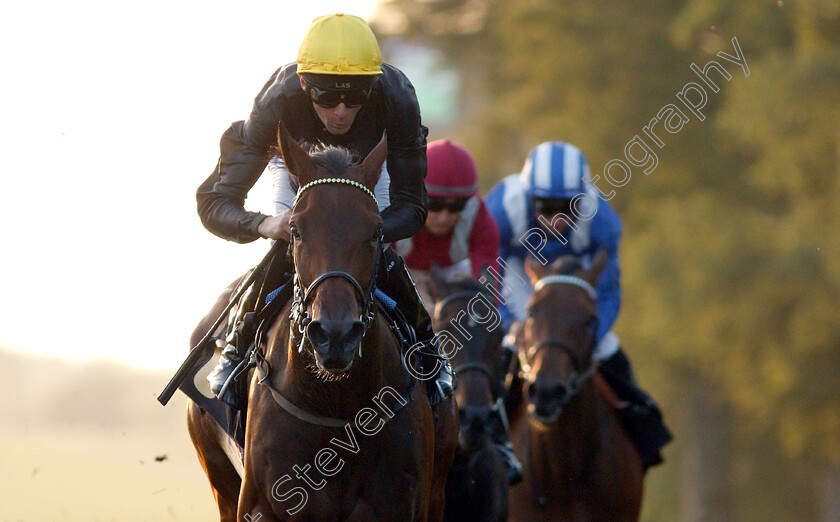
731 253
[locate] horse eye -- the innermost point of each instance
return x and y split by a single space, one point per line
293 230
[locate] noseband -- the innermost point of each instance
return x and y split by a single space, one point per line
299 315
572 386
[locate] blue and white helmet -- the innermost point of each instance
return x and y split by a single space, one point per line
555 169
559 170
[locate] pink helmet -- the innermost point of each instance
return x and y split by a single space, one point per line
452 172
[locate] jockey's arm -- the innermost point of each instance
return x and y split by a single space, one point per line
609 293
221 198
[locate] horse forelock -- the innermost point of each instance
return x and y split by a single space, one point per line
333 158
569 266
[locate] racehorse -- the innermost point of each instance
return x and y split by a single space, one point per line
477 487
337 428
579 463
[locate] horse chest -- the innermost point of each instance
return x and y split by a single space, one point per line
351 473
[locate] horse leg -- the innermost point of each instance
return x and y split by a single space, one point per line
619 460
224 480
446 442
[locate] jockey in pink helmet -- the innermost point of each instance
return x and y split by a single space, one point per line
460 235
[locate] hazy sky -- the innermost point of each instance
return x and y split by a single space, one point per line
111 118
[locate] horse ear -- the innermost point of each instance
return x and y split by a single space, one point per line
297 161
371 167
599 262
535 269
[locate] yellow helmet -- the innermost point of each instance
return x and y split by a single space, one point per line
339 44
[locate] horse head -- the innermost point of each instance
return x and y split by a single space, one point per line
336 240
478 362
558 338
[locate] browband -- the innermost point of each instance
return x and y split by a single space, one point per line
344 181
566 279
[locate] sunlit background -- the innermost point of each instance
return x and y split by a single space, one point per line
110 117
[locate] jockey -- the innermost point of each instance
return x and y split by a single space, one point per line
337 93
460 235
549 210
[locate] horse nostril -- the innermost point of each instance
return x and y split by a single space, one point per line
354 336
318 336
558 392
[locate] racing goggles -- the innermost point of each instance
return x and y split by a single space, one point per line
453 205
553 206
330 99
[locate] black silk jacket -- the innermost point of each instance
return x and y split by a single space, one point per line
392 107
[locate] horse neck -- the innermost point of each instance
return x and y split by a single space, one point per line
343 397
561 453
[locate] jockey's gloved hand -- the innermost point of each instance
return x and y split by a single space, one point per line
276 227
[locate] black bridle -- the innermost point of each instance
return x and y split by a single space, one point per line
577 379
299 315
498 410
472 365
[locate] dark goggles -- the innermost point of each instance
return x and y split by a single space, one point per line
553 206
454 205
330 99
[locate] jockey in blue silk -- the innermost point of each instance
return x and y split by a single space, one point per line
550 210
554 173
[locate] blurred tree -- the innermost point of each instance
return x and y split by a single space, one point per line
730 253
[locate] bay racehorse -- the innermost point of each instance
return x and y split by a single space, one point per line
337 428
579 464
477 487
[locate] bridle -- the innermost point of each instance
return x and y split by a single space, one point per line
580 376
498 410
472 366
300 318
